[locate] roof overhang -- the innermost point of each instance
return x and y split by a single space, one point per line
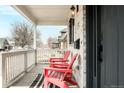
45 14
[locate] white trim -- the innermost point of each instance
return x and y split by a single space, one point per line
23 12
52 22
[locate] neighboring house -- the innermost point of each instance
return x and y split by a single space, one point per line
60 42
4 44
53 43
63 39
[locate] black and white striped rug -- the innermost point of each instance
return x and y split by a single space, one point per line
38 82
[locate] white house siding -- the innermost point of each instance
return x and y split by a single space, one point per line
80 33
84 46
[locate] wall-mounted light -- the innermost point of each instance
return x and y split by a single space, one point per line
72 11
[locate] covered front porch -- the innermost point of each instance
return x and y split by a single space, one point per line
25 68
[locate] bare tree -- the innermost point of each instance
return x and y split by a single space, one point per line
22 34
39 40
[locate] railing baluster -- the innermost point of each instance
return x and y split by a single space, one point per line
11 67
10 70
7 69
43 55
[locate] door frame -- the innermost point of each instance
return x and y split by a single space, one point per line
93 37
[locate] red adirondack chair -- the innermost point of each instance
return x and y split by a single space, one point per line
59 76
64 59
56 62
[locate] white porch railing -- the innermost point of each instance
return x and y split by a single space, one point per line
15 64
43 55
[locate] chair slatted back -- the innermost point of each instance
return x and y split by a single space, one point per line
66 55
70 65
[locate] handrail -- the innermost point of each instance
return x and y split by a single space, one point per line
14 64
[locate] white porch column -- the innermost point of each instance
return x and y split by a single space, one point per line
34 42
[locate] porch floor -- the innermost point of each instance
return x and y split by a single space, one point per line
32 78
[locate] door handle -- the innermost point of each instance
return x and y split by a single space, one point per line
100 50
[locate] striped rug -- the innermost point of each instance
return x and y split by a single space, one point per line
38 82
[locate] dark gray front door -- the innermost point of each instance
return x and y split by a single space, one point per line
112 29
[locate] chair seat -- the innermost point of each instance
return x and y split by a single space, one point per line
58 82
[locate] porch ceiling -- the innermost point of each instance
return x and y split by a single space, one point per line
45 14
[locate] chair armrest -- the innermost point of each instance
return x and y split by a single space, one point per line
60 64
55 59
58 69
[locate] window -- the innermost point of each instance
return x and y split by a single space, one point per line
71 30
